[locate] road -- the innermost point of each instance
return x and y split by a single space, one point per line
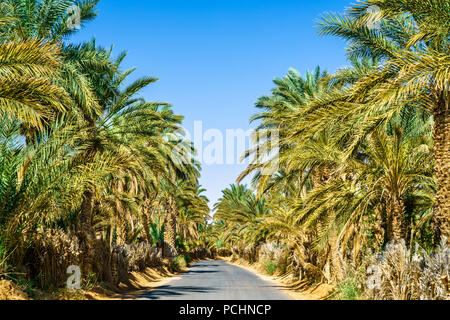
217 280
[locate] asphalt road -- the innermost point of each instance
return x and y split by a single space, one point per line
217 280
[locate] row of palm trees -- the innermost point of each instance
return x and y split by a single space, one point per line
81 150
364 153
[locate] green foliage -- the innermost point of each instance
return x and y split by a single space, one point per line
361 153
180 262
243 213
90 281
80 148
157 232
27 285
270 266
187 258
181 244
220 244
3 257
348 290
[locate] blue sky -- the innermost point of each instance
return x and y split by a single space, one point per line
215 58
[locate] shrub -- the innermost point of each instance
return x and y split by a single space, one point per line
270 267
180 262
181 244
53 251
220 244
348 290
187 258
90 281
404 274
271 251
157 232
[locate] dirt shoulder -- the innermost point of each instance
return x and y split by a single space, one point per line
137 284
10 291
320 292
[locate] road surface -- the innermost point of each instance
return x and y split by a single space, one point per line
217 280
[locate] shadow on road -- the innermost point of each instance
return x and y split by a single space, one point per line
200 271
175 291
216 280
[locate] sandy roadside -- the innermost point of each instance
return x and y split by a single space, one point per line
138 283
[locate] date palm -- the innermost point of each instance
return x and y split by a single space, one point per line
178 197
40 182
43 19
412 46
193 210
129 130
389 168
285 106
243 213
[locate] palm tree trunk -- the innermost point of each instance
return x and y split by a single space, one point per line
171 228
378 227
396 219
147 216
121 230
121 220
95 257
146 225
111 236
441 219
316 178
86 232
335 262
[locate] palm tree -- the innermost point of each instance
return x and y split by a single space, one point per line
378 180
129 132
412 46
41 183
35 19
193 212
243 213
179 199
281 111
98 159
329 189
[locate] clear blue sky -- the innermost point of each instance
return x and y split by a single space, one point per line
215 58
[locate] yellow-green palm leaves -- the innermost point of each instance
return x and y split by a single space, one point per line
411 41
27 89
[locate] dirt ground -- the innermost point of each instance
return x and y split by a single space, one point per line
137 284
10 291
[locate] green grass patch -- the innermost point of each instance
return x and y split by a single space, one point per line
188 258
182 261
270 267
348 290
